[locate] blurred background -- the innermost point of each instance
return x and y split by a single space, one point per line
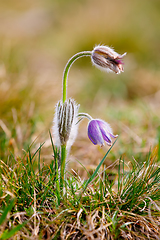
36 40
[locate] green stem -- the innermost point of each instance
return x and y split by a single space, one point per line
65 77
67 68
85 115
63 162
57 181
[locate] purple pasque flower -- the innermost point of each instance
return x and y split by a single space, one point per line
100 131
106 58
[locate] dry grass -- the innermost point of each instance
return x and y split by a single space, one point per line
37 38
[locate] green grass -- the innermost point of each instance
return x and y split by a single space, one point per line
110 204
106 197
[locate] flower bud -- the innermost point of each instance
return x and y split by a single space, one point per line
65 119
106 58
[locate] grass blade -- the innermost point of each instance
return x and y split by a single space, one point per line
97 169
7 235
6 210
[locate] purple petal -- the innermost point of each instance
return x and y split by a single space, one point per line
104 125
113 136
106 137
105 130
118 61
94 133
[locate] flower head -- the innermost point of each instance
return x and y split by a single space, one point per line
65 119
100 131
107 59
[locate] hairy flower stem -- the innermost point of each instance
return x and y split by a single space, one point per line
64 84
85 115
67 68
63 158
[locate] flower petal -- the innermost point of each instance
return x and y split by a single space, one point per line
94 133
106 131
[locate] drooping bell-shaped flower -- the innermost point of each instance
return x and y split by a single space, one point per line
100 131
107 59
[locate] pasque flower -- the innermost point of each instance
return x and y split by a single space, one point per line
66 112
107 59
100 131
65 127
